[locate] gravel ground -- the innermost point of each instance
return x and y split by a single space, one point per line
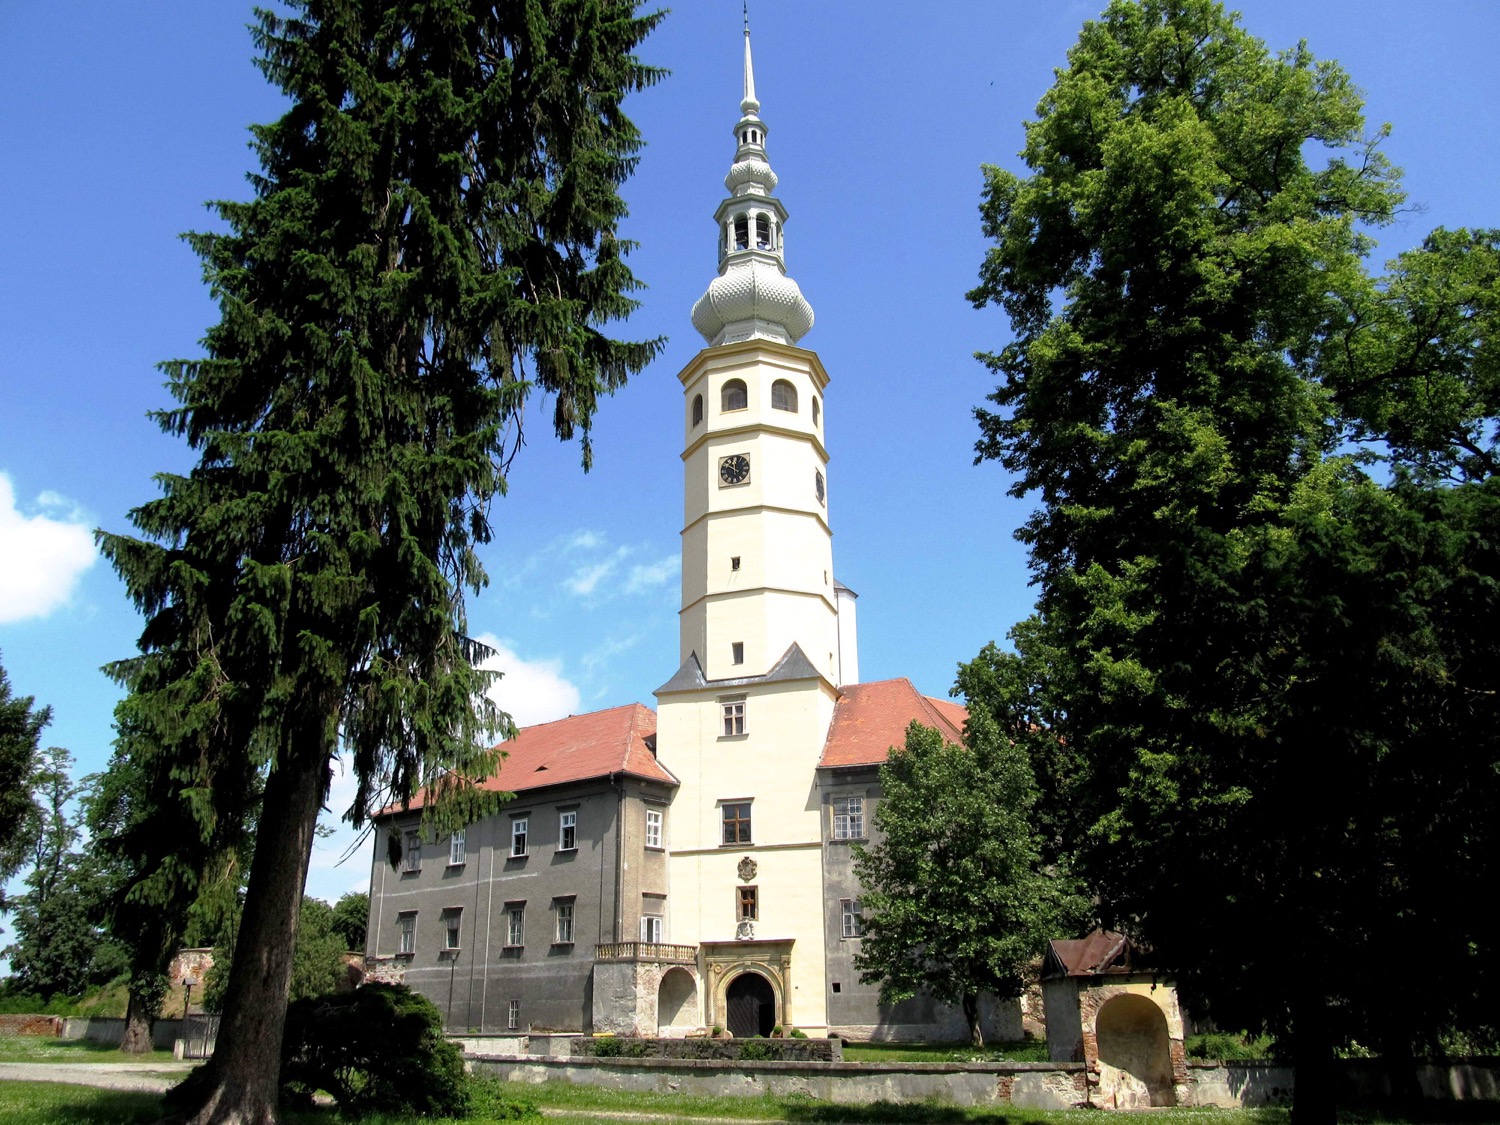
152 1077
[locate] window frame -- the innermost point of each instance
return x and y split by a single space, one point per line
515 925
734 386
848 824
513 1016
453 921
742 823
458 844
697 414
654 839
406 940
411 853
567 830
562 930
653 928
786 391
747 897
732 714
853 918
520 836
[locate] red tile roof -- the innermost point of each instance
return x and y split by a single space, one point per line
871 718
578 748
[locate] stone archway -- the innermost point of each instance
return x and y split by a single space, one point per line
1135 1057
677 1003
750 1005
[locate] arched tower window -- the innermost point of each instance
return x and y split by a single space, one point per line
742 232
697 410
783 396
735 397
817 410
763 232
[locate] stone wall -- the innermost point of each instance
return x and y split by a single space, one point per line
31 1025
1024 1085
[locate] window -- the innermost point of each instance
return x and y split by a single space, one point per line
737 823
653 828
734 562
564 923
456 844
513 1019
411 854
567 832
697 410
749 904
734 716
737 650
783 396
735 397
762 232
515 924
854 923
452 920
817 410
408 944
518 835
741 236
848 818
651 929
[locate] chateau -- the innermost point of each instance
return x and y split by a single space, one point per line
691 867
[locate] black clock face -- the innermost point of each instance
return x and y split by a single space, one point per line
734 469
818 484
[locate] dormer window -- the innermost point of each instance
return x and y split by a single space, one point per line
783 396
735 396
742 232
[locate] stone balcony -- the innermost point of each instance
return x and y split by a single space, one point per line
652 951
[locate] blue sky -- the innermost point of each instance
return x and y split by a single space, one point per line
120 120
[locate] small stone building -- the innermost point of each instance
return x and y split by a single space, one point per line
1110 1010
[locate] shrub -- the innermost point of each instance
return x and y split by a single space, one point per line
379 1049
491 1101
1222 1045
798 1033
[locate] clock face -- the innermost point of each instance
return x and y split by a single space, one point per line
818 484
734 469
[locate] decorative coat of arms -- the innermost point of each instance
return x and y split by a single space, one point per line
747 869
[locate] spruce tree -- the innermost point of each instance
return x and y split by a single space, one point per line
433 236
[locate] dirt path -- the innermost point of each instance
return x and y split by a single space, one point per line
154 1078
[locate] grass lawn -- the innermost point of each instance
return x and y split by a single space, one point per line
1025 1050
46 1049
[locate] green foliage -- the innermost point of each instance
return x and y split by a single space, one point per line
613 1046
379 1049
351 914
797 1033
433 237
317 960
955 898
21 729
1246 649
1222 1045
757 1050
493 1100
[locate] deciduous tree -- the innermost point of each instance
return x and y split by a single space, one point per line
1247 647
21 726
433 236
956 900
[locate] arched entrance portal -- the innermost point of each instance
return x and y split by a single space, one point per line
676 1003
751 1006
1135 1060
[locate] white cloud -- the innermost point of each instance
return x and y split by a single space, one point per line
585 579
42 556
529 691
649 576
583 541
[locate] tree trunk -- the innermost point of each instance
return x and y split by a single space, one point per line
241 1083
1314 1098
138 1023
971 1013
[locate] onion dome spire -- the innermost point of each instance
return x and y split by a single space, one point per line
752 298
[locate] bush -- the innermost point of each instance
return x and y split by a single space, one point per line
612 1047
491 1102
379 1049
1222 1045
798 1033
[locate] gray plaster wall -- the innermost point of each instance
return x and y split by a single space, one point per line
855 1010
475 984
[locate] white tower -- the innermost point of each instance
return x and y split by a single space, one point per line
742 722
